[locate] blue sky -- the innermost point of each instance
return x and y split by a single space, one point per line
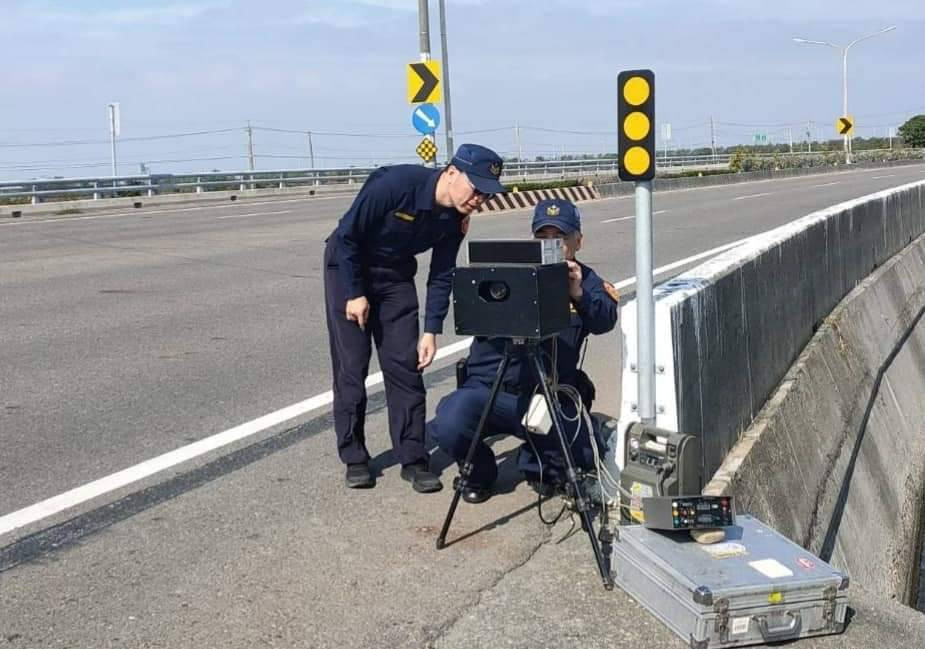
338 66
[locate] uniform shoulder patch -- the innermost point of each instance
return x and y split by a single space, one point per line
404 216
612 292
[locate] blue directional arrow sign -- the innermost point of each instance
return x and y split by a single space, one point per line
426 119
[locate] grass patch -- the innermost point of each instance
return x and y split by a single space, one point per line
69 210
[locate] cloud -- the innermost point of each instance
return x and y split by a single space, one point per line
104 14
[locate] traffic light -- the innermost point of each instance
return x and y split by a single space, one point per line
636 115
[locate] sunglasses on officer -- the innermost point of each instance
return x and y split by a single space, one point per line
475 192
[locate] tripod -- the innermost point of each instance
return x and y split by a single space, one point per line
531 348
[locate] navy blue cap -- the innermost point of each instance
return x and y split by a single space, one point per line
483 167
559 213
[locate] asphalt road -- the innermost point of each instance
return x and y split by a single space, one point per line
125 336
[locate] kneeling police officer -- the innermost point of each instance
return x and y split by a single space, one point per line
369 292
594 310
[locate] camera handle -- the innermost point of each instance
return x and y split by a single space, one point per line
581 500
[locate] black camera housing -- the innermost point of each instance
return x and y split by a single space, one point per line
511 300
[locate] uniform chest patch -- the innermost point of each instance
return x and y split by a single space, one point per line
404 216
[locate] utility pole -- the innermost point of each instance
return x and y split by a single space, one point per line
790 137
444 54
520 152
424 24
311 151
713 138
114 128
250 146
809 136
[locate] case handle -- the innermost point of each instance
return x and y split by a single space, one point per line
784 631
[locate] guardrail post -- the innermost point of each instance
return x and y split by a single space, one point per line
281 183
96 195
35 198
198 184
242 186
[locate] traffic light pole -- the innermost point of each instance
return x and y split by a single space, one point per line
645 302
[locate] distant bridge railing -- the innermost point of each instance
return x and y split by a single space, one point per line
344 179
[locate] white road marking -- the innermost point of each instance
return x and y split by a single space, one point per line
742 198
625 218
241 216
886 176
244 203
125 477
837 182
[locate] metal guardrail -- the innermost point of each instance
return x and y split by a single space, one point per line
38 191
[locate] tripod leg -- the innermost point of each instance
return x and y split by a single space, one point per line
581 501
467 467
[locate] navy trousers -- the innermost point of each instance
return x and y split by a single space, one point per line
457 418
393 325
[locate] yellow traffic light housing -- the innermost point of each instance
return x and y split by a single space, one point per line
636 117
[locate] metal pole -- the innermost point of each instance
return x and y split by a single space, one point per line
790 137
713 138
645 302
311 151
424 25
250 146
112 139
520 152
844 87
450 148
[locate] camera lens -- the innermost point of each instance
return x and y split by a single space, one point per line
497 291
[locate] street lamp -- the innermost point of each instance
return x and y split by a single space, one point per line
844 50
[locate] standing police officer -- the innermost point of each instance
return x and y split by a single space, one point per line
369 292
594 311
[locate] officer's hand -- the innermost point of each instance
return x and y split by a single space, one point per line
574 280
358 311
427 349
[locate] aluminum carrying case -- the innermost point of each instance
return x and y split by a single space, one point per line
756 586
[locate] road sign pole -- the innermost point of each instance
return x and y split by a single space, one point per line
446 82
844 88
645 302
424 24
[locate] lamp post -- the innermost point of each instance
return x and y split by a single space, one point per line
844 50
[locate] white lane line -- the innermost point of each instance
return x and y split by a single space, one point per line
244 203
241 216
125 477
625 218
886 176
742 198
837 182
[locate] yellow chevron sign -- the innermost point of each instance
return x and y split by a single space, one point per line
424 83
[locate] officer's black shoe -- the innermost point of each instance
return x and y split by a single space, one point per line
473 494
359 477
421 479
476 495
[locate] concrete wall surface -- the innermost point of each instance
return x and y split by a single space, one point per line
836 459
755 307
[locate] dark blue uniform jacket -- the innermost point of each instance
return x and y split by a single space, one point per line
393 218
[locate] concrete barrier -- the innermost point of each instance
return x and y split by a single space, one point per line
836 458
529 198
669 184
731 328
